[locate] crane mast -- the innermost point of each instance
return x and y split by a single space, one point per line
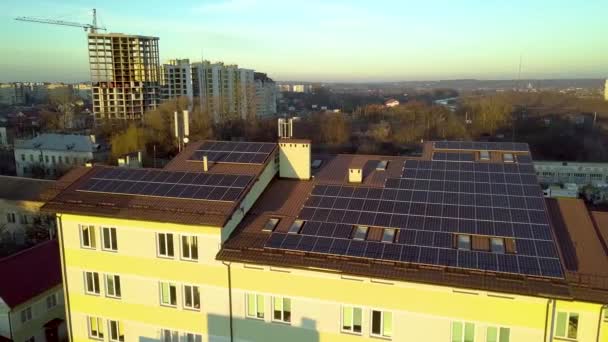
93 28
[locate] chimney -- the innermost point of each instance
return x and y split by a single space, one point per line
92 137
205 164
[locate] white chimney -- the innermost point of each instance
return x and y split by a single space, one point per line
186 123
92 137
205 164
176 125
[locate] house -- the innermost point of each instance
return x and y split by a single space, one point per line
20 202
50 155
31 296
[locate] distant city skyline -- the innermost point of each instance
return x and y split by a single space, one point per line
339 41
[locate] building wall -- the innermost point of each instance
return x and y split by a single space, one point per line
26 158
572 172
25 212
420 312
294 160
40 315
176 80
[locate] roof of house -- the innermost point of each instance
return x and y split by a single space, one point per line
59 142
30 273
69 197
284 199
23 189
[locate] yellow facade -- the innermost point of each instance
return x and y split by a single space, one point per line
294 159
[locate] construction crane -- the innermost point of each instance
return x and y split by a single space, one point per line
92 28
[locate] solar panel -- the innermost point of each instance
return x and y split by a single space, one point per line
487 146
233 152
169 184
432 201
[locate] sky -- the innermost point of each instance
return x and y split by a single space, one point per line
324 40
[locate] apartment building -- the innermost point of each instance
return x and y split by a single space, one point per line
50 155
125 75
31 297
246 242
176 79
266 96
580 173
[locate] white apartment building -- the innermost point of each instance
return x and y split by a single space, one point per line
266 95
176 79
580 173
56 153
606 90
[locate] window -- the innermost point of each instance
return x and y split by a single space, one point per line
60 160
31 339
11 218
388 235
91 282
193 337
109 239
351 319
255 306
53 159
165 245
116 331
281 309
360 232
46 159
113 286
51 301
189 247
463 332
484 155
295 227
26 314
381 166
168 294
24 219
497 245
192 298
270 224
22 157
464 242
567 325
95 327
382 323
169 336
87 236
507 157
495 334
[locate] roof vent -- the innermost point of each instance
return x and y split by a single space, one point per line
355 175
507 158
484 155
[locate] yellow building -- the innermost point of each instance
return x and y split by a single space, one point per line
249 245
31 296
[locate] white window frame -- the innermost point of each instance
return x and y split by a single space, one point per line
190 239
91 236
282 302
99 321
96 290
114 277
26 314
498 332
51 301
113 247
256 296
165 237
173 335
371 324
191 290
118 329
568 314
352 319
160 293
11 217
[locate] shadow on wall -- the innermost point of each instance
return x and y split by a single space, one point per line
253 330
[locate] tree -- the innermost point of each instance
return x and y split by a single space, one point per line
63 105
131 140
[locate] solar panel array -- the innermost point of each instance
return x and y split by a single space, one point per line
454 156
481 146
429 204
233 152
168 184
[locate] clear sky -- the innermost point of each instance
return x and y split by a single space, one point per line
324 40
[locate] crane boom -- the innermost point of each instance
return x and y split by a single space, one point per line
92 27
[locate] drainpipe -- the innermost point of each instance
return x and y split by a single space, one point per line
599 322
554 302
546 319
10 327
227 264
66 293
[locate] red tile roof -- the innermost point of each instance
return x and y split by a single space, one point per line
29 273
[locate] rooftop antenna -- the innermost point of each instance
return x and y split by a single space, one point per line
519 75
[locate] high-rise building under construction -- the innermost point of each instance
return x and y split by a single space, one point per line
125 75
